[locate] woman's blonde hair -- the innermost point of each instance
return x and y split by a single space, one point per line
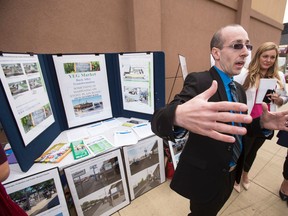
254 66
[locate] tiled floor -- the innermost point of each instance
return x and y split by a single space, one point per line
261 199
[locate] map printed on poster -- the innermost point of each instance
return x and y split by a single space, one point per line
24 86
84 88
137 82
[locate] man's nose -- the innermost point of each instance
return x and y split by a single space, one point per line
245 52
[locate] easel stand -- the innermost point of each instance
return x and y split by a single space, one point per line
173 83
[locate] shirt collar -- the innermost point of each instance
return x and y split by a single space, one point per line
224 77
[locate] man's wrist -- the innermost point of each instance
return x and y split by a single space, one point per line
177 116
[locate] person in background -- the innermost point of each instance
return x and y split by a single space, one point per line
264 64
283 191
7 206
206 171
4 166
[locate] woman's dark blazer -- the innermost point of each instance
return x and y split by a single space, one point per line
204 162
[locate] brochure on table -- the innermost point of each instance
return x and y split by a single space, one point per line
82 89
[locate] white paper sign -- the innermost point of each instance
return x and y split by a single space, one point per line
137 82
183 65
264 85
23 82
84 88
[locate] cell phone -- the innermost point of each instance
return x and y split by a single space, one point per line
266 98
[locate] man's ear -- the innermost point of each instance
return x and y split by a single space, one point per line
215 53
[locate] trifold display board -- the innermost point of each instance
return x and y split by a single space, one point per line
44 94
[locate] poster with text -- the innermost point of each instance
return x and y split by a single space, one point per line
25 89
137 82
98 186
39 194
84 88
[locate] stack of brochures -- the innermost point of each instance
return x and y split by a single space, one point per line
55 154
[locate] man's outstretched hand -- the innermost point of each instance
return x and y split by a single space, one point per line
209 118
274 120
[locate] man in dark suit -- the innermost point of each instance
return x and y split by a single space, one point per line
283 141
206 172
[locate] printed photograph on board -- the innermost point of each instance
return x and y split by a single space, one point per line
39 194
137 82
176 149
144 165
98 185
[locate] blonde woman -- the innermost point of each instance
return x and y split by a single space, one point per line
264 64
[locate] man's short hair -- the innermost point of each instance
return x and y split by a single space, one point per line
217 39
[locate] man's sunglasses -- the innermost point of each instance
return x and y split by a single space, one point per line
239 46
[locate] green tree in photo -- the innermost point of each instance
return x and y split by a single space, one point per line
95 66
69 68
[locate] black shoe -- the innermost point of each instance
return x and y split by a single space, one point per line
283 196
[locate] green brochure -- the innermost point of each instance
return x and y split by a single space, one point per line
79 149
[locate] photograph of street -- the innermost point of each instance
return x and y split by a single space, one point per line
87 105
33 119
95 177
176 149
31 68
12 69
146 180
18 87
107 198
98 185
136 94
143 156
35 83
144 165
37 198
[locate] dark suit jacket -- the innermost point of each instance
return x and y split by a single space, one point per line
204 161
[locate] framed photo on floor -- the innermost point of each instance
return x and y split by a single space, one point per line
98 186
39 194
144 165
176 149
